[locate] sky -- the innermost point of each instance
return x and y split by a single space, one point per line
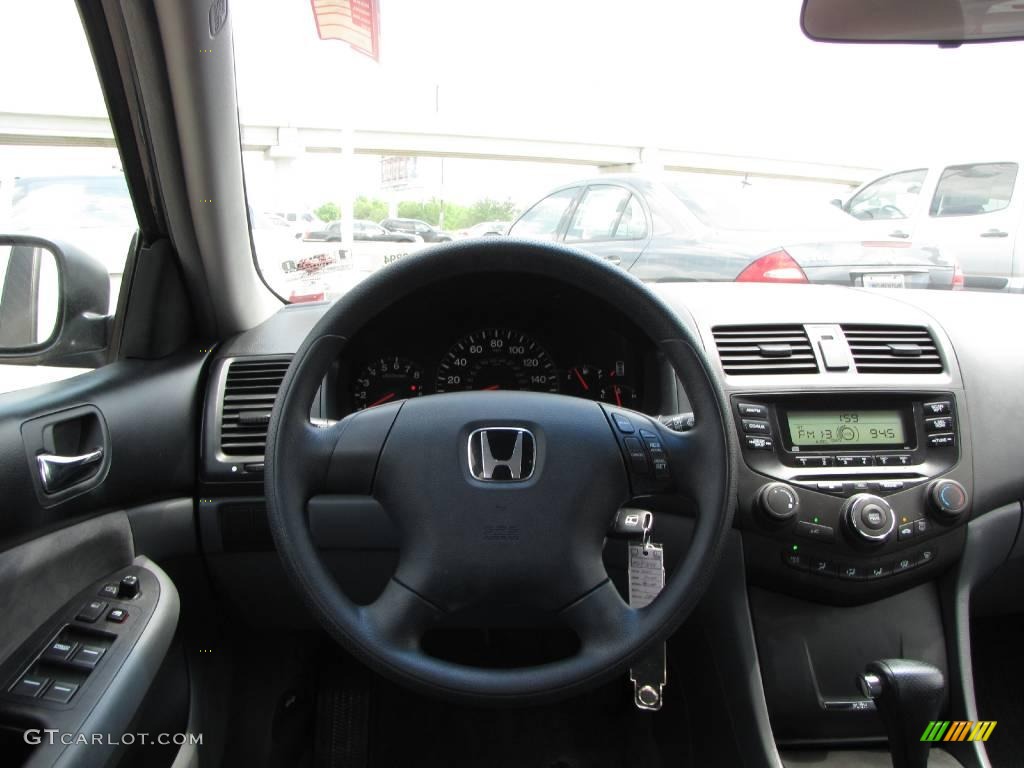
733 77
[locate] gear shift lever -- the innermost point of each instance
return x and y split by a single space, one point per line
908 695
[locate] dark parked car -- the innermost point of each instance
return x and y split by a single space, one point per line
362 230
658 230
429 233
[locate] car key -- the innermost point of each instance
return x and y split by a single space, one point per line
646 580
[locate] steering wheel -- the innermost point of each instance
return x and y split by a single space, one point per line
524 543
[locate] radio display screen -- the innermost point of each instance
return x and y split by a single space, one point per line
846 428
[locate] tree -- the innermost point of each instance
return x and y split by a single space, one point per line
328 212
369 208
491 210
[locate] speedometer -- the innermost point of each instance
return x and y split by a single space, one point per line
496 358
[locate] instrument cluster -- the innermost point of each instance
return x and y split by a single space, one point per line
560 342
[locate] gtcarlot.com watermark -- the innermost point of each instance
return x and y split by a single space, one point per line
50 736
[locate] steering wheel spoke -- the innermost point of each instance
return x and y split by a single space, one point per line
601 617
399 617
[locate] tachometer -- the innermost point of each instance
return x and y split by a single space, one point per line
387 379
496 358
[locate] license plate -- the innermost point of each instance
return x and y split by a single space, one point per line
884 281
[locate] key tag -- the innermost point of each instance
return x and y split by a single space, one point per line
646 580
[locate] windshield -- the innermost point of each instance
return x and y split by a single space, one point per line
663 137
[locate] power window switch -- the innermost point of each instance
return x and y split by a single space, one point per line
88 656
60 692
30 685
59 651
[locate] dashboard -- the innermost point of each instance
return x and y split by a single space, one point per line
487 335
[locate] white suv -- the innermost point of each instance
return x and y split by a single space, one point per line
972 212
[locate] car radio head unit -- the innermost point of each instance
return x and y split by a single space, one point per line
847 429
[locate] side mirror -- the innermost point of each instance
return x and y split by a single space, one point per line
54 304
838 203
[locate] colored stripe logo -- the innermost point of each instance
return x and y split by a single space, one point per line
958 730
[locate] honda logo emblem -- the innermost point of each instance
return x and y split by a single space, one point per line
502 454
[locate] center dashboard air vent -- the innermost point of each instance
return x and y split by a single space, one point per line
250 389
893 349
747 350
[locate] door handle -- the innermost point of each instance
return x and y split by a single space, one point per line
613 260
899 233
995 233
58 472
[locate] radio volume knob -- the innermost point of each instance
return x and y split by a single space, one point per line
778 501
869 518
948 499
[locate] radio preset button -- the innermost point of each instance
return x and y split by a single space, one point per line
855 461
756 427
942 408
752 410
814 461
939 424
760 443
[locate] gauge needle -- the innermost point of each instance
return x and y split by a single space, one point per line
583 382
618 395
492 387
383 400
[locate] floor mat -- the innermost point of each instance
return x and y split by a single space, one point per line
364 721
998 673
597 730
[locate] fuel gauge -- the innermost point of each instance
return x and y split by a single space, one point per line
583 380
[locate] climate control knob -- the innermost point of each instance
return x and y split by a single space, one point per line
948 499
778 501
869 518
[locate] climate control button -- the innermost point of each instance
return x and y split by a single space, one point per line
948 499
869 518
778 501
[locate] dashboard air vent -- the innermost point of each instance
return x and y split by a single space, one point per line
893 349
764 349
249 393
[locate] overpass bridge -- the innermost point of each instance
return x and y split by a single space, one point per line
282 144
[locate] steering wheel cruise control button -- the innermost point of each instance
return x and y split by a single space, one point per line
625 425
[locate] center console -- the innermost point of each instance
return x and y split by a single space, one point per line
849 496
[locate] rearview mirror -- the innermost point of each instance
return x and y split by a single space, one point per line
943 22
54 304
